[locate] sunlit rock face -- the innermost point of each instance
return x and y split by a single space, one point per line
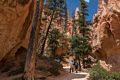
106 34
15 19
76 13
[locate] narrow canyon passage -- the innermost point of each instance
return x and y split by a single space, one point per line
48 39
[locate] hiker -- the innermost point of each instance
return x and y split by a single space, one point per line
76 64
71 65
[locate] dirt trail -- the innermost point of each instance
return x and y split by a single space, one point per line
71 76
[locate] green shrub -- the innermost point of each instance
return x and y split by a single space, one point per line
98 73
55 68
115 76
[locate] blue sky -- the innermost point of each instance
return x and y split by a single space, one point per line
92 7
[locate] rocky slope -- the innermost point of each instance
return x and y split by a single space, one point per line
106 34
15 20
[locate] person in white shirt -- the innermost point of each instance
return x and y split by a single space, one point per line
71 63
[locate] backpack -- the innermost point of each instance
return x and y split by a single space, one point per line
76 63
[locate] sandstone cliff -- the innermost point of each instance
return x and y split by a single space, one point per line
106 34
15 20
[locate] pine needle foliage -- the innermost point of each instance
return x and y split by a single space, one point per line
80 41
53 40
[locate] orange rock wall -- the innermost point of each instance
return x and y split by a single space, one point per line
106 33
15 20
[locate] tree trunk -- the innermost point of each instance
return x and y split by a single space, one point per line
31 53
41 10
40 35
83 62
66 17
49 26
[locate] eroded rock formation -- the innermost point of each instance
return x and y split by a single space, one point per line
106 33
15 20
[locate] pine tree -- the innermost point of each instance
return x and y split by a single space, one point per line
53 41
80 41
66 16
82 21
84 30
54 8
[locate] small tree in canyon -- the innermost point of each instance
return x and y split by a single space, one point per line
53 41
84 31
